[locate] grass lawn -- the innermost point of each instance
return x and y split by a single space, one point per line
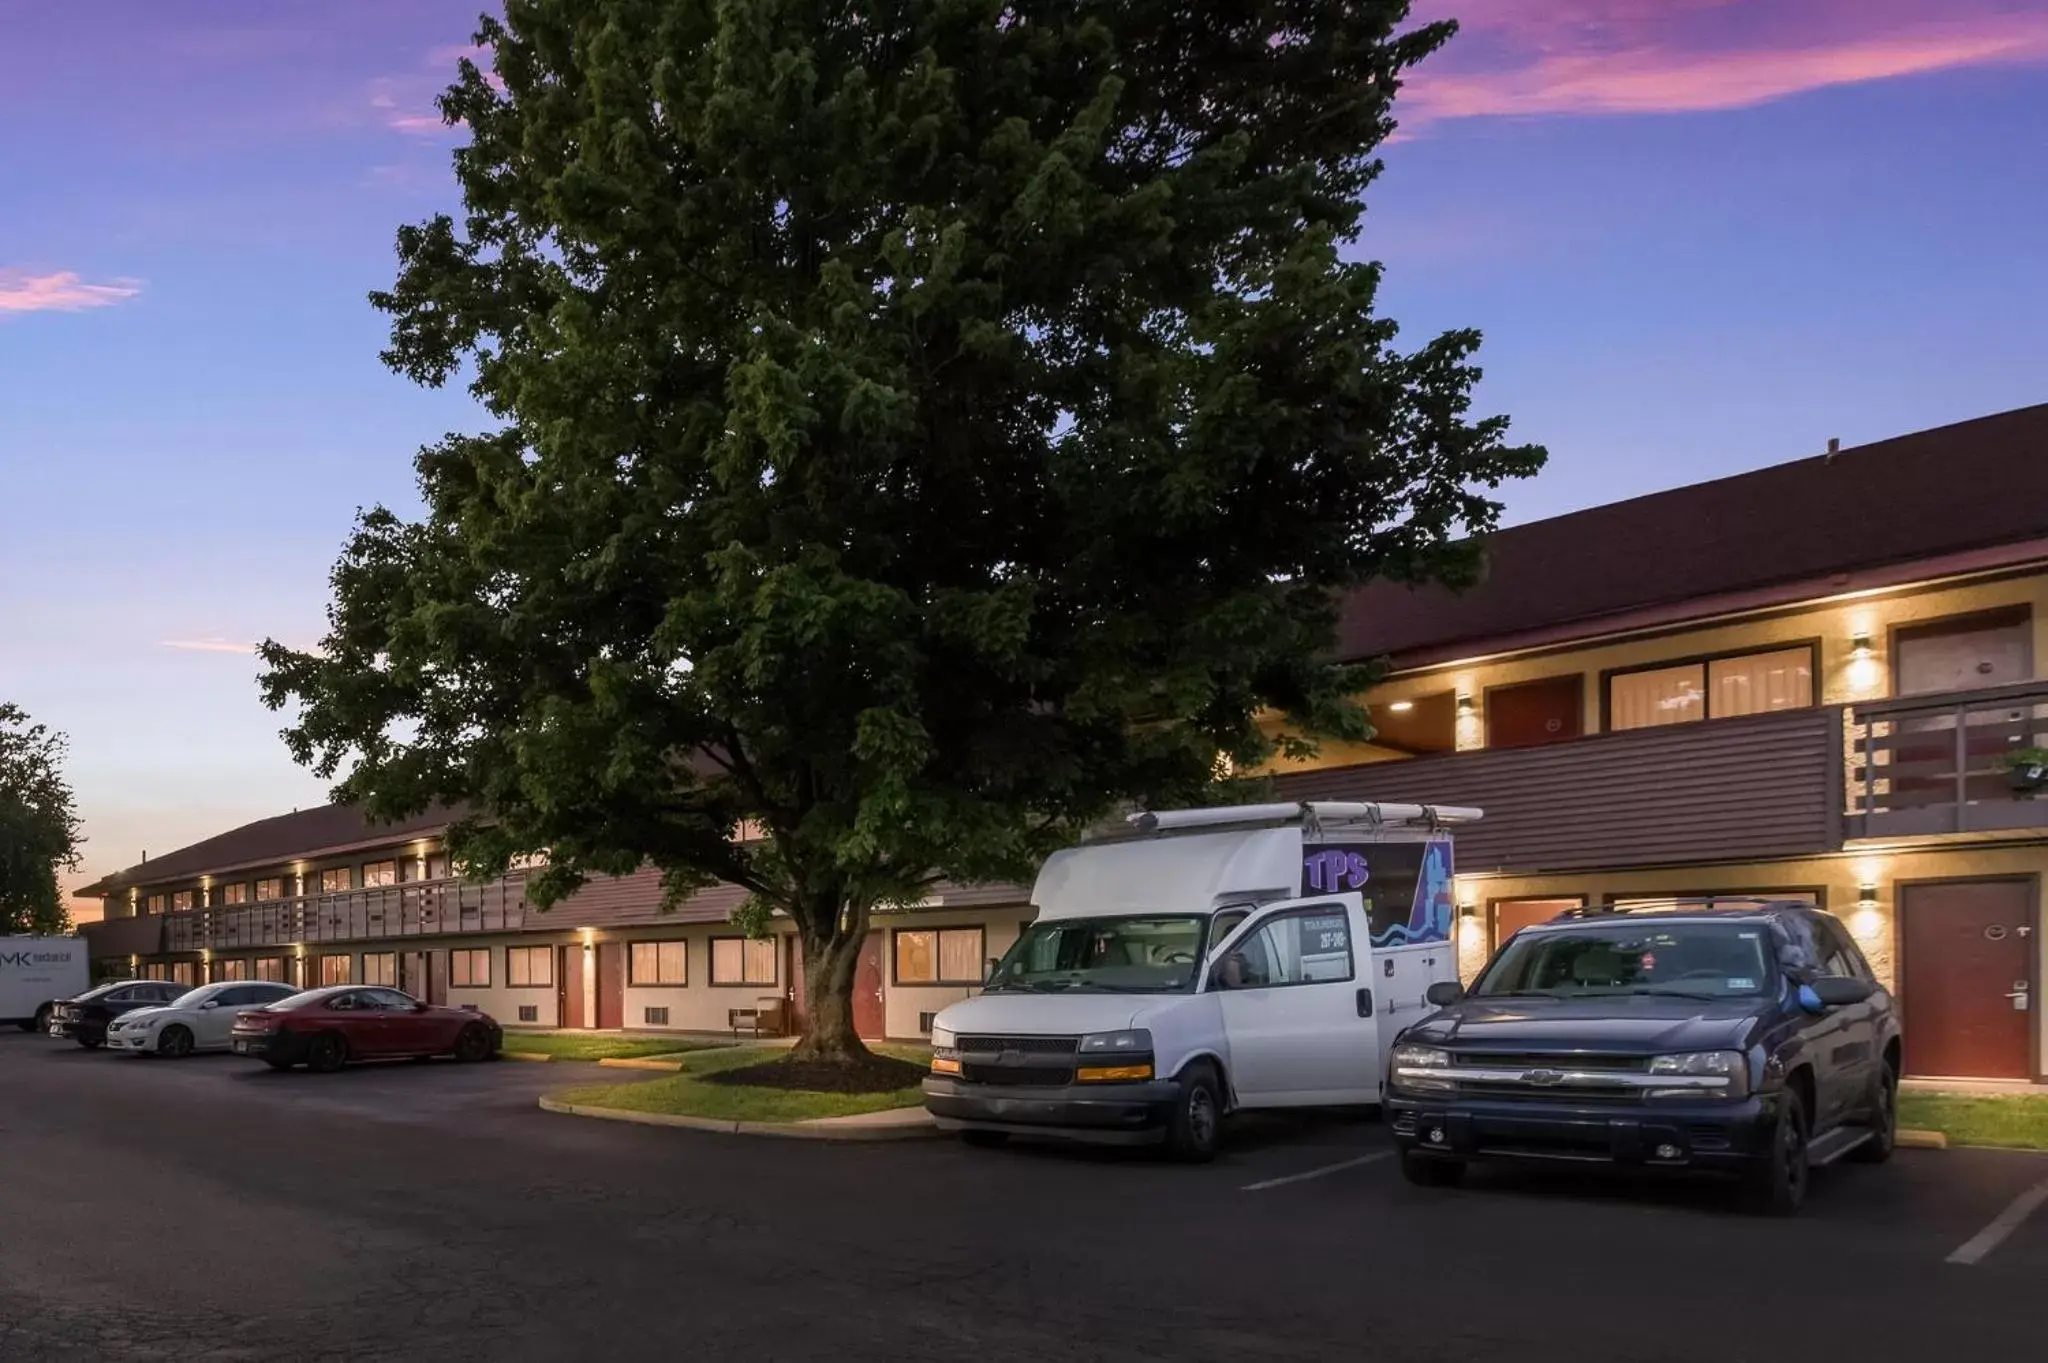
685 1095
574 1046
2018 1123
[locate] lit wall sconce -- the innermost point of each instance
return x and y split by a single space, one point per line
1468 909
1859 645
1866 896
1402 707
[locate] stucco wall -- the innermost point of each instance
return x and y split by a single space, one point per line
904 1003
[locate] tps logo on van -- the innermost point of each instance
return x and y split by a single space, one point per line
1334 870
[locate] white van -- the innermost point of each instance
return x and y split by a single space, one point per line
1200 962
35 972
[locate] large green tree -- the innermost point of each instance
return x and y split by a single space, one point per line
38 828
919 427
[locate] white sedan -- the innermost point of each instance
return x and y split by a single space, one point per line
198 1020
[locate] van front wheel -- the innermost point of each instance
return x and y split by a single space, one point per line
1194 1130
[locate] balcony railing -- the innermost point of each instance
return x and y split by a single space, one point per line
415 909
1931 765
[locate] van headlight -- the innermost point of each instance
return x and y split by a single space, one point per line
1730 1067
945 1050
1418 1069
1115 1057
943 1038
1130 1042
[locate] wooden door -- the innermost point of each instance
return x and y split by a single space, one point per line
870 1019
569 987
1527 714
611 984
1510 916
437 977
799 1014
412 975
1966 981
1965 654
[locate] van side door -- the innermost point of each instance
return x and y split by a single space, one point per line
1297 1015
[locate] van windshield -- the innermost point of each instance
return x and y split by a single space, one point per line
1152 954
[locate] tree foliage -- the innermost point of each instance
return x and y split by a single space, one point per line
39 831
921 426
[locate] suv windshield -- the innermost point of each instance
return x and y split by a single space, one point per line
1709 960
1152 954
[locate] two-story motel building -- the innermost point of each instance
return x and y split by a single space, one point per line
1798 681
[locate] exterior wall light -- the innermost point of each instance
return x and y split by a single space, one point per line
1859 645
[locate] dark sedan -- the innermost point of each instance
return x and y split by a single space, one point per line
324 1029
85 1019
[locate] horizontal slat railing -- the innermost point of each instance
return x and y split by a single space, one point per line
1935 764
415 909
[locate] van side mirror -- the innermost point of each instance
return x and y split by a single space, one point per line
1443 993
1839 991
1228 972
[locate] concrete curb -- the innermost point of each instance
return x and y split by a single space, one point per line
641 1062
537 1057
1908 1139
821 1129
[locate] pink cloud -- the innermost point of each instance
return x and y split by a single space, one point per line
1591 57
209 645
61 291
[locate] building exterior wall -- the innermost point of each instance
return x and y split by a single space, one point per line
904 1004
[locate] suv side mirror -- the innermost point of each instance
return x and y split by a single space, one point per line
1443 993
1839 991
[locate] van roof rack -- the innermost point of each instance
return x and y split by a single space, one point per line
1315 813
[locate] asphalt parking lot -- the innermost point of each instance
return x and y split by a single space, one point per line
210 1209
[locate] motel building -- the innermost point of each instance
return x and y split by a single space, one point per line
1805 681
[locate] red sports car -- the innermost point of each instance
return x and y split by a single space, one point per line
325 1029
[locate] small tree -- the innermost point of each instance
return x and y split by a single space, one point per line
39 831
923 426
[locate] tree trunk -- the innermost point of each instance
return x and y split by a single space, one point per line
831 951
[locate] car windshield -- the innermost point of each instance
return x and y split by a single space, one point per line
1150 954
1686 960
192 998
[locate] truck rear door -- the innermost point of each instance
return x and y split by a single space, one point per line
1297 1006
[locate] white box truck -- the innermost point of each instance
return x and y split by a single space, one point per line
1199 962
35 972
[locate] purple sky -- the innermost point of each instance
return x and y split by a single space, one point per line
1700 236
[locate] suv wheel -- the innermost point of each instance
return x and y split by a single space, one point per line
1195 1129
1427 1172
1884 1120
1778 1185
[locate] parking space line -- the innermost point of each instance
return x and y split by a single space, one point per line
2004 1224
1316 1173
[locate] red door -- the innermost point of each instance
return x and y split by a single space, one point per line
569 988
437 977
1510 916
1967 979
869 1019
611 984
1527 714
798 1013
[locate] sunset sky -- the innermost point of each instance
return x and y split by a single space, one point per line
1700 236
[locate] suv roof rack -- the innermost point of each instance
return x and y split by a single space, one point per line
1753 902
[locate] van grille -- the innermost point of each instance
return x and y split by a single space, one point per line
1029 1045
1019 1076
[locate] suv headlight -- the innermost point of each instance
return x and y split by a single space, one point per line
1731 1067
1410 1069
1115 1057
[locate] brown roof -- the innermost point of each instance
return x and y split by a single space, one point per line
283 837
1956 488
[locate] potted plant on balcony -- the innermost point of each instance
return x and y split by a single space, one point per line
2027 770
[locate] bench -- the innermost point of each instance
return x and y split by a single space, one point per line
763 1019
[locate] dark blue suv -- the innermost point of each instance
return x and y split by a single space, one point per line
1746 1038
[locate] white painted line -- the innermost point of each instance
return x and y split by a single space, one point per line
2007 1221
1316 1173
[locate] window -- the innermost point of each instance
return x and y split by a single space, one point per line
377 873
659 963
654 1017
469 968
230 970
1301 946
529 967
1839 955
336 970
236 893
185 974
743 960
1712 688
1142 954
938 955
380 967
270 968
272 888
156 903
1634 956
334 880
181 902
156 970
386 1000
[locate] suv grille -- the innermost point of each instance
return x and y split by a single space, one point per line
1533 1060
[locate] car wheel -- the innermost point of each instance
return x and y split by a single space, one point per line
473 1044
175 1042
1778 1186
1194 1131
326 1053
987 1140
1884 1121
1425 1172
277 1064
90 1044
42 1022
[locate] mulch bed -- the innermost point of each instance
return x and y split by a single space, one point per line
876 1074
